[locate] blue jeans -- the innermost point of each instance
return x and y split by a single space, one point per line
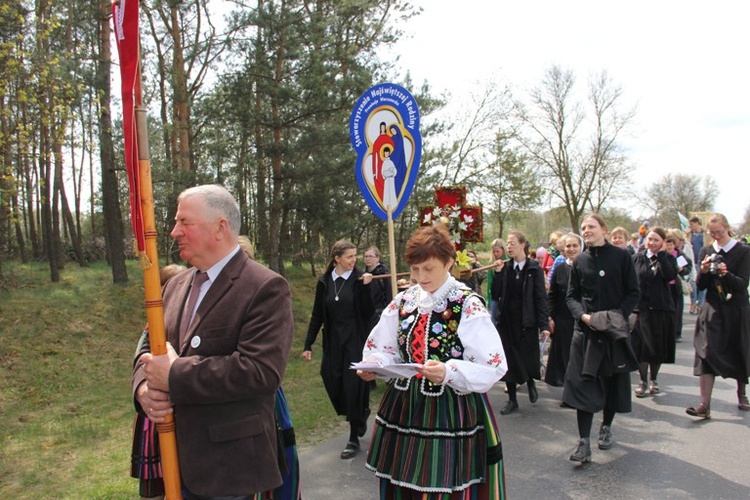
493 311
697 296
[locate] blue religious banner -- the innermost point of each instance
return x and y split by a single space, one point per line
384 130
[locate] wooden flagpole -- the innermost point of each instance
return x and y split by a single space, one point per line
392 250
154 303
138 166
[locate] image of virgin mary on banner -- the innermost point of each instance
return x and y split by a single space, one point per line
384 130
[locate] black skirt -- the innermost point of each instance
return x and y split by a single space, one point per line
654 337
559 352
593 395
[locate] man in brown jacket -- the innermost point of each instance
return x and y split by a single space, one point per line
226 357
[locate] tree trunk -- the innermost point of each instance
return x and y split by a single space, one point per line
20 240
113 230
45 181
261 215
274 223
181 104
57 250
27 165
6 180
75 236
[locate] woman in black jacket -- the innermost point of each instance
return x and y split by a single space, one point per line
561 321
343 307
381 290
674 244
653 336
602 279
519 288
722 331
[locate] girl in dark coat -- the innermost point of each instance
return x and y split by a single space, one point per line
519 287
381 290
343 307
602 279
675 242
722 331
561 321
653 336
499 252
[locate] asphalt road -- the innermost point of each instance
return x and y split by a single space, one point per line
660 452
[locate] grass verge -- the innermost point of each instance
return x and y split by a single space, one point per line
65 360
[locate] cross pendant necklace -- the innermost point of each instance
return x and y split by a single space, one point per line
337 290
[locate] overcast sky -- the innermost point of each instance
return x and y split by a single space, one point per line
684 64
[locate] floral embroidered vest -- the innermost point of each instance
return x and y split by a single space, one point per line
441 341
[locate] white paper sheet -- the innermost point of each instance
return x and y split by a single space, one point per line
398 370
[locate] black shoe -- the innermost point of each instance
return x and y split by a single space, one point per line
533 393
350 451
510 407
583 452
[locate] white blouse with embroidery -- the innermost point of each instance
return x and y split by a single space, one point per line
483 361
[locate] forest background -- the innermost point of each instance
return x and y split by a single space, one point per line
256 96
258 101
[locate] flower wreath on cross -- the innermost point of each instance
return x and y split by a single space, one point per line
464 222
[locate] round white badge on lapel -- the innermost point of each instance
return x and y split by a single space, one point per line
601 273
195 342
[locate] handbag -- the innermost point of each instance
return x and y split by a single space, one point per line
687 288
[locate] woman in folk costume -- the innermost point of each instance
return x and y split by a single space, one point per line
653 335
602 292
435 436
343 307
561 322
722 331
523 315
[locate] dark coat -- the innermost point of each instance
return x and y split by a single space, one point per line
601 279
654 332
343 341
363 307
609 350
521 344
381 291
534 312
653 280
223 387
559 351
722 330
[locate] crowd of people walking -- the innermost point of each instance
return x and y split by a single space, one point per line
608 303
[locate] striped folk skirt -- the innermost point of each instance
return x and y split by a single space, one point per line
145 458
436 447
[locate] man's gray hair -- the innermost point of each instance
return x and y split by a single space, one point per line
219 203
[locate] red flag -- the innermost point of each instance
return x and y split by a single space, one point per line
125 15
